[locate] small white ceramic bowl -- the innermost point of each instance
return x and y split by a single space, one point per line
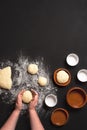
51 100
82 75
72 59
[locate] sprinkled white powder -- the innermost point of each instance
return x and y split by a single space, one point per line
23 80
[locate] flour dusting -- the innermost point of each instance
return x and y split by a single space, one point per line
23 80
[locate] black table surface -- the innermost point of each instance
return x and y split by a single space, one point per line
51 29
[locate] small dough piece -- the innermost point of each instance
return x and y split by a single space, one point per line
42 81
62 76
32 68
5 78
27 96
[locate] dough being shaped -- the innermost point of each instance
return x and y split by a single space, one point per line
27 96
5 78
32 68
42 81
62 76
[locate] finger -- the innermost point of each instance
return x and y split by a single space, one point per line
36 96
34 92
22 91
19 97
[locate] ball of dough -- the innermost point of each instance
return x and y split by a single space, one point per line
32 68
42 81
62 76
27 96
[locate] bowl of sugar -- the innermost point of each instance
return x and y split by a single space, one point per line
82 75
72 59
51 100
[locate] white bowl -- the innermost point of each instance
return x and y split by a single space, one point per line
51 100
72 59
82 75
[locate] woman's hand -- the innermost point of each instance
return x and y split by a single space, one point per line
34 101
19 101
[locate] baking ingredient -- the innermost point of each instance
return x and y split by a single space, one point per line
82 75
42 81
51 100
62 76
72 59
32 68
27 96
5 78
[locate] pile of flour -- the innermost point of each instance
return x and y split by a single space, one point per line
23 80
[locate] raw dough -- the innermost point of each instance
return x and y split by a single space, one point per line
62 76
32 68
42 81
27 96
5 78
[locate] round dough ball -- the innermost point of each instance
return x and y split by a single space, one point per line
32 68
62 76
27 96
42 81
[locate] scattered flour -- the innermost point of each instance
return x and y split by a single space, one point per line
23 80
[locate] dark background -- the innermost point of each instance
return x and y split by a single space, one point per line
51 29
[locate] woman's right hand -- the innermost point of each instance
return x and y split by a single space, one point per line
18 105
34 101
